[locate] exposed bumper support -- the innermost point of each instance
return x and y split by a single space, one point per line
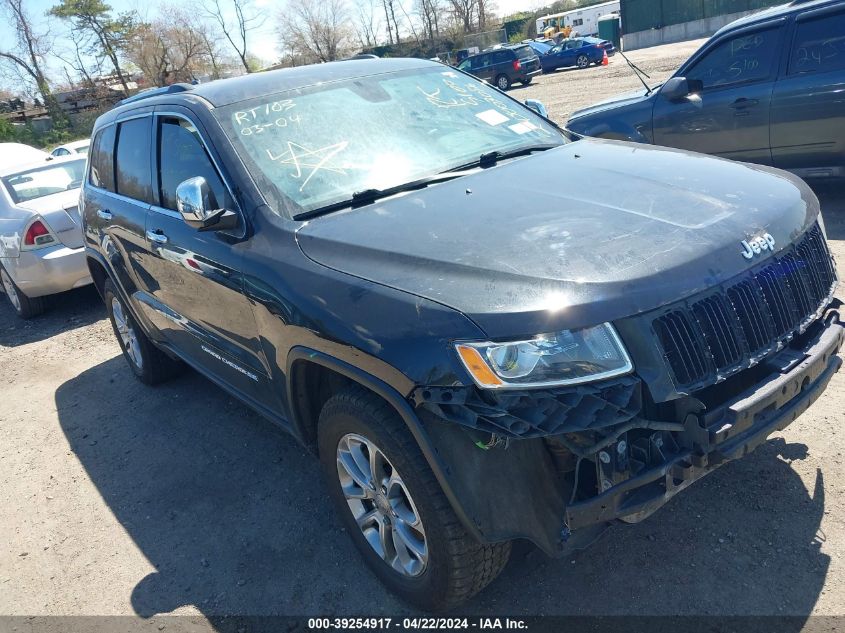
730 432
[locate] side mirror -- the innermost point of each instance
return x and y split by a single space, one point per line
538 107
196 203
677 88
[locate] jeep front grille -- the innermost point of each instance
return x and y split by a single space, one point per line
706 339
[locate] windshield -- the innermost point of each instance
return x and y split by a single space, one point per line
44 181
313 147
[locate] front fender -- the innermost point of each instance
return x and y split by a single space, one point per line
403 409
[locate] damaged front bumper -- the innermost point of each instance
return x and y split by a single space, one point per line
721 435
547 464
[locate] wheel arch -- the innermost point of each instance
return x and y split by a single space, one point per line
306 398
98 272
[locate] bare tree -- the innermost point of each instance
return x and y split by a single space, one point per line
429 12
465 13
368 25
74 58
316 29
246 21
171 48
410 22
27 53
391 10
211 42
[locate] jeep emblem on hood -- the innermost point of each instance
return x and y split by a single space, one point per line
757 245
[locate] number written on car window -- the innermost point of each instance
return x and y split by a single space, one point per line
819 45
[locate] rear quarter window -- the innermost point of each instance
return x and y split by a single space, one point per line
819 45
102 160
500 57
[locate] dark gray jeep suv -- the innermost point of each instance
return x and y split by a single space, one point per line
765 89
347 248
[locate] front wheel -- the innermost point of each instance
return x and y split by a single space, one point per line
394 509
582 61
503 82
25 307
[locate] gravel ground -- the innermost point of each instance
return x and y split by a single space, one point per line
121 499
567 90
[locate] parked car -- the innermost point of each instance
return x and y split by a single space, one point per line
41 251
503 67
540 48
470 369
605 45
76 147
765 89
13 154
572 52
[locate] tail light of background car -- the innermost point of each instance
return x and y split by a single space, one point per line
37 235
517 65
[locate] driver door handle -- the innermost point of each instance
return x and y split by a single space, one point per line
157 236
742 102
104 214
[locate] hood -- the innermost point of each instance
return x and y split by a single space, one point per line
589 232
616 101
61 212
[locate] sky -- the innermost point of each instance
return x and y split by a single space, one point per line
264 40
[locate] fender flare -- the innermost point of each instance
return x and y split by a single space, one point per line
402 407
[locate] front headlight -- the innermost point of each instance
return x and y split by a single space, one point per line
560 358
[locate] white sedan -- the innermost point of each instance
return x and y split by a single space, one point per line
14 154
41 247
69 149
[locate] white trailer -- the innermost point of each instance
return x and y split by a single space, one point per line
582 21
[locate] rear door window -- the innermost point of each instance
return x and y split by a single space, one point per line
133 177
743 58
102 160
819 45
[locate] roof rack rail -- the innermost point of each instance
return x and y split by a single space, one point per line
155 92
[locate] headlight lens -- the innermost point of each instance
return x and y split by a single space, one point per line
560 358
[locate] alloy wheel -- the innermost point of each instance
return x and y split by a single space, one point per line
583 61
127 333
381 505
10 290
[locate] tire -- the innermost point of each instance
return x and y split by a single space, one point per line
149 364
526 81
453 566
582 61
503 82
25 307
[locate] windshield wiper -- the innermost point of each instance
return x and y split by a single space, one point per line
490 159
638 72
368 196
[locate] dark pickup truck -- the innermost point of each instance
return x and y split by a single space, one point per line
350 249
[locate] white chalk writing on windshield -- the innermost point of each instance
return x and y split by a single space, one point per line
300 157
245 117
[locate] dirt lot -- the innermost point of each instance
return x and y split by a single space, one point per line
122 499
